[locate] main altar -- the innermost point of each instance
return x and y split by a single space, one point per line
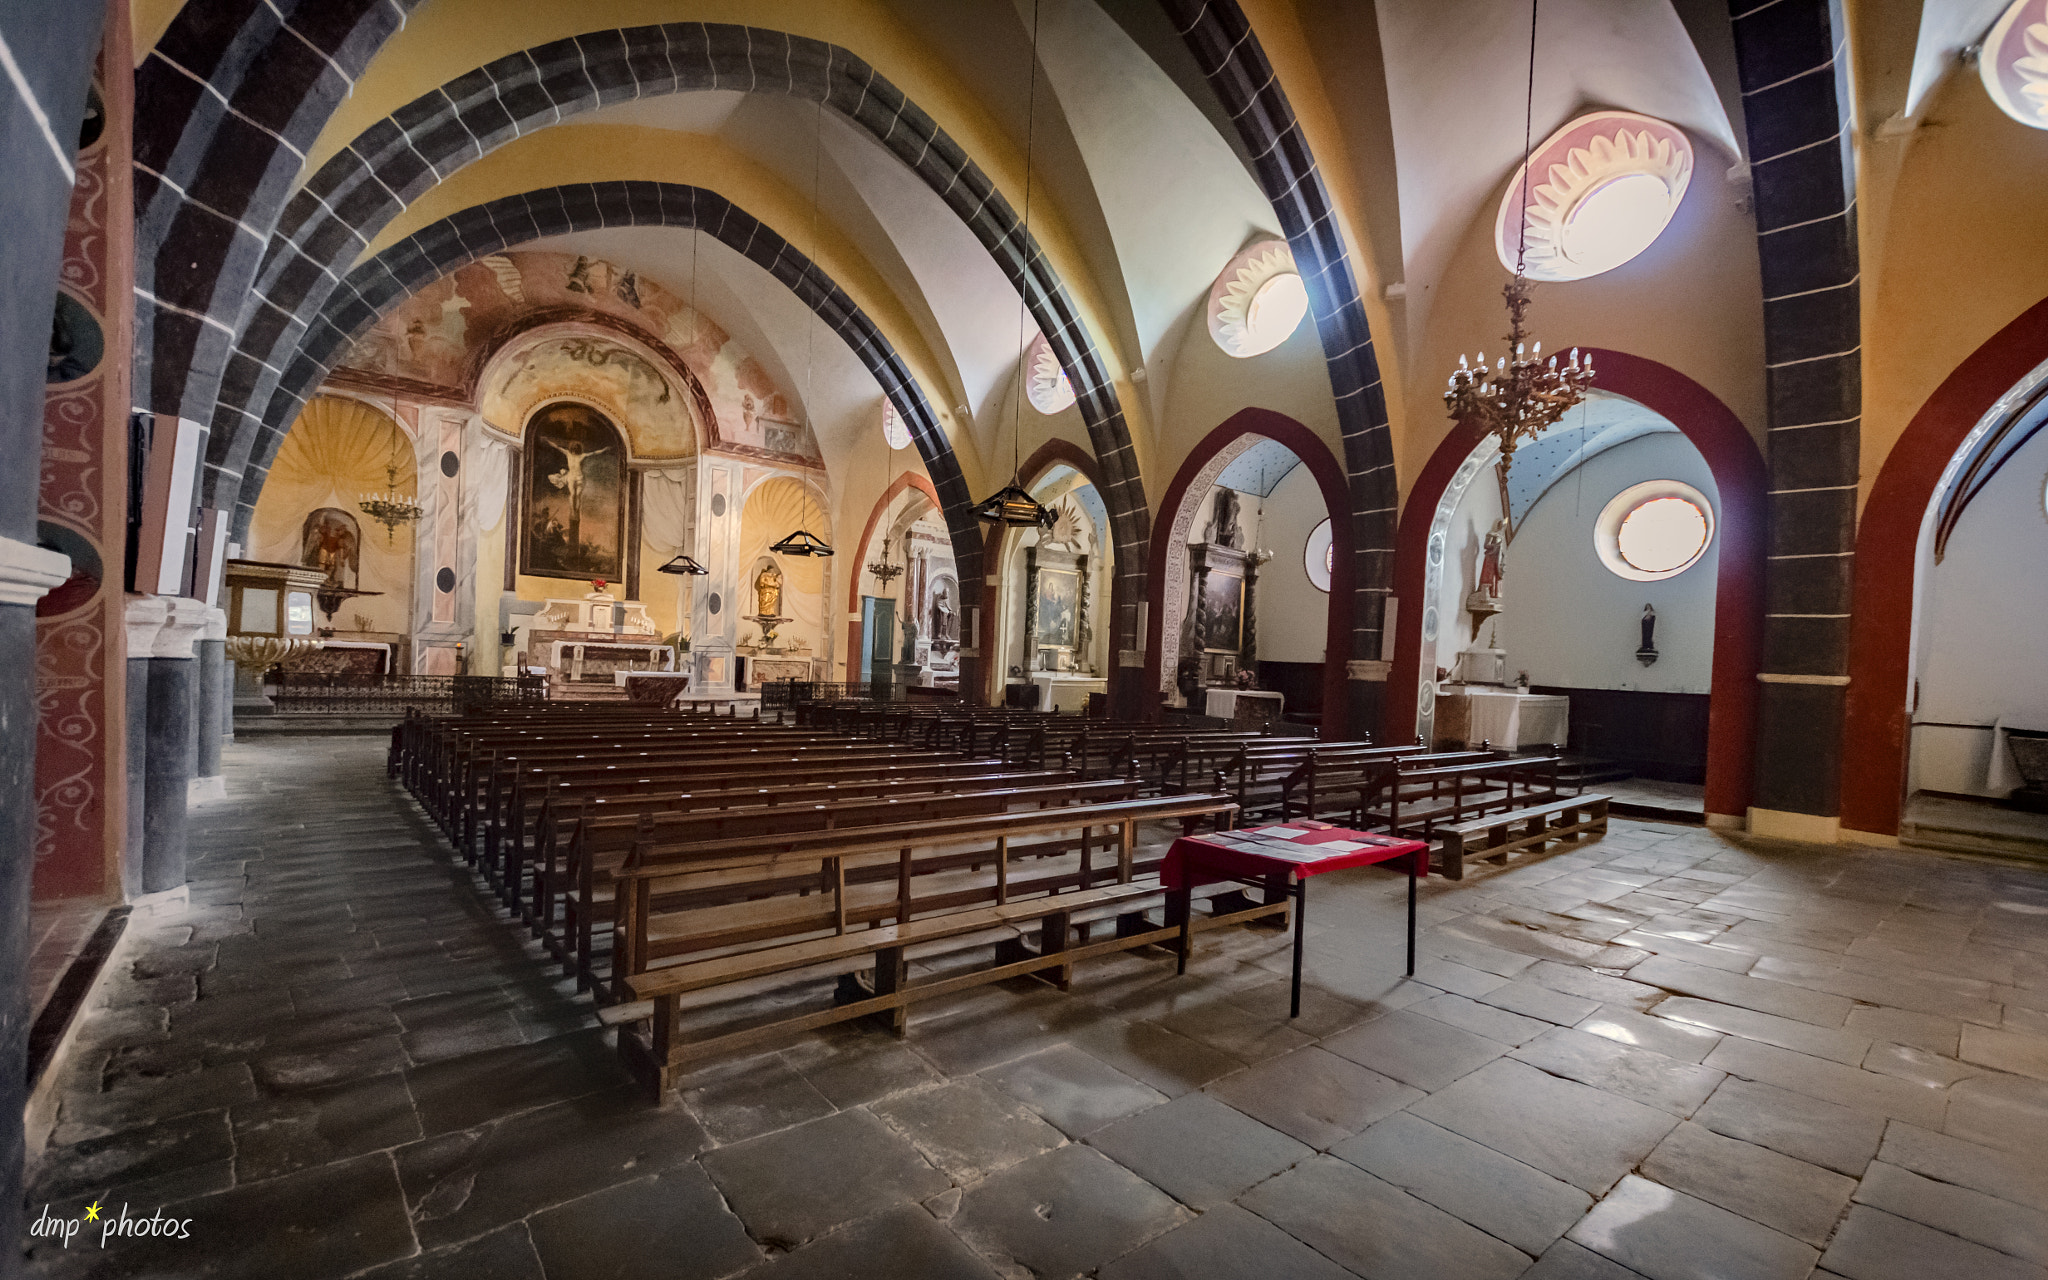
582 643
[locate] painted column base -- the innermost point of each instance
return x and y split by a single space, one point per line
1779 824
200 790
1727 822
1880 839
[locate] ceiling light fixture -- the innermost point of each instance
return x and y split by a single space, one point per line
803 543
1520 396
1011 506
885 572
683 564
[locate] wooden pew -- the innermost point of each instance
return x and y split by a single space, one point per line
1492 838
599 847
1031 926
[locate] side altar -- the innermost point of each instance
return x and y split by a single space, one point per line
581 643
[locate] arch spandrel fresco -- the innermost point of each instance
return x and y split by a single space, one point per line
620 333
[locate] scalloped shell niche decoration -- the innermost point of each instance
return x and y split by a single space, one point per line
1259 300
1604 188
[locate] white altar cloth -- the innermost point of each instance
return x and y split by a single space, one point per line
1510 721
1222 703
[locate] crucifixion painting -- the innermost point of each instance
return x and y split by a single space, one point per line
574 511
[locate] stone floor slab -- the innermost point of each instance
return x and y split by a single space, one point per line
1503 1197
1198 1150
1421 1051
1314 1096
1072 1090
968 1127
1377 1230
1585 1136
1875 1245
1668 1235
1064 1213
796 1184
1807 1128
1830 1081
673 1226
1799 1199
1639 1074
1226 1243
904 1243
1988 1220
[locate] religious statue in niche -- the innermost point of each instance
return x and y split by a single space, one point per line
1647 654
1225 530
1484 602
945 619
575 495
768 592
331 541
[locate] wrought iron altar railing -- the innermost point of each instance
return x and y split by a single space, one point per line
334 693
787 693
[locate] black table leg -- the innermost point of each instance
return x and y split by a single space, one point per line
1300 925
1411 911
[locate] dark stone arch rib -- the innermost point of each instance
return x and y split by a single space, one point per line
384 281
371 180
1230 56
227 104
1793 67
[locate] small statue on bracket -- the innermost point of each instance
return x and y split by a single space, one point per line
1647 654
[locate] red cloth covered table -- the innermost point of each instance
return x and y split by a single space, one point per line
1293 850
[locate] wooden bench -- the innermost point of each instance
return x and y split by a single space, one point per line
1028 934
600 848
1494 837
562 808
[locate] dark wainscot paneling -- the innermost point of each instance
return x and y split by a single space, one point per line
1657 735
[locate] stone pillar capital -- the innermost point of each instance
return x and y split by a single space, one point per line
28 573
214 626
144 616
187 617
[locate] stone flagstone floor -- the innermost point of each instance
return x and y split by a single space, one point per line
1669 1054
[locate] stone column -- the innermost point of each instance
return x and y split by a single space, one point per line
209 655
167 769
145 617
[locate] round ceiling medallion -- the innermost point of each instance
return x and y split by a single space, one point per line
2014 62
1045 383
894 429
1258 301
1604 188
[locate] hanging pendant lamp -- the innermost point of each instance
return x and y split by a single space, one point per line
683 564
1012 506
803 543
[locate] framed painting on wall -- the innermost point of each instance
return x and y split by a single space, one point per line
1223 607
1059 607
573 495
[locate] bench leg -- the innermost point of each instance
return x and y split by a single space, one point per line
1450 864
891 971
1052 938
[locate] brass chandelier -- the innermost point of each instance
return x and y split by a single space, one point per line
884 571
391 508
1521 395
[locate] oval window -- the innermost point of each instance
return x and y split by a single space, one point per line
1655 530
1318 558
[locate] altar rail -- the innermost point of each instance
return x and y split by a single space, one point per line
329 693
787 693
